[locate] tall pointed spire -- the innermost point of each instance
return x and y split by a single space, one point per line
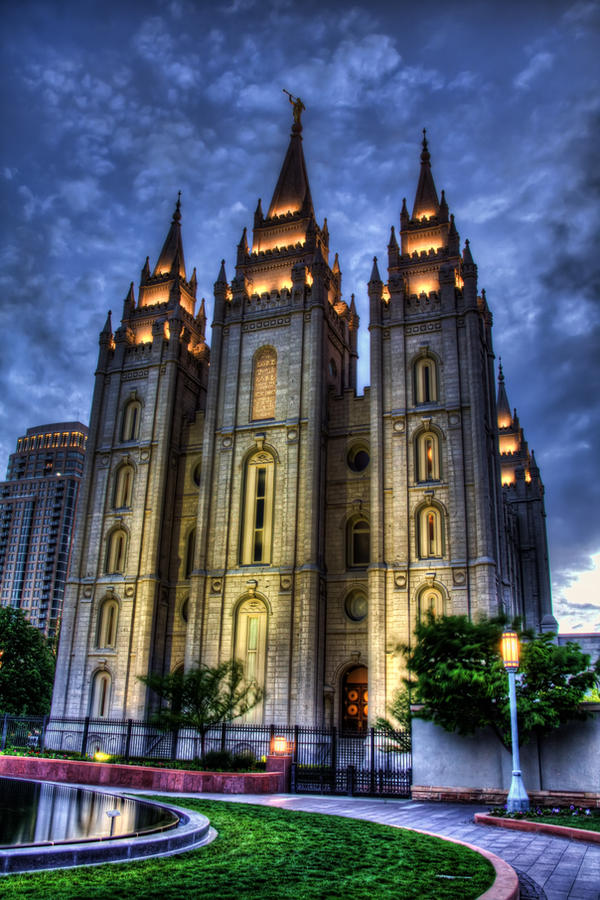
426 198
171 256
375 276
502 405
292 192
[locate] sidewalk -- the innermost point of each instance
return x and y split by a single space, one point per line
559 869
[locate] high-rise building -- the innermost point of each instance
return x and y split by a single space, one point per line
37 509
259 507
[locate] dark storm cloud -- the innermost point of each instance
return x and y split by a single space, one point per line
116 107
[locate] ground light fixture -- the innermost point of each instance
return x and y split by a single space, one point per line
112 815
517 800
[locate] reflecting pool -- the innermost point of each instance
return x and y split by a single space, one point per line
34 812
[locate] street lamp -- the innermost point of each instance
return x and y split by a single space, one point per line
517 800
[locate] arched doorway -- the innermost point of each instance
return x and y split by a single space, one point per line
355 700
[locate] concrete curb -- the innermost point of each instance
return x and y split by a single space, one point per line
506 882
574 834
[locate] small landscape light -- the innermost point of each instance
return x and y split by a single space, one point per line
280 746
112 815
99 756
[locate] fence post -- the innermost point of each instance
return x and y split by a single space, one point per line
84 738
43 734
334 747
296 732
293 785
128 739
350 772
223 736
4 731
372 760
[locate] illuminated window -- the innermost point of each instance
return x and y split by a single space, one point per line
115 554
425 373
428 456
123 487
131 421
101 689
258 509
190 549
358 544
429 526
430 601
264 384
250 647
107 624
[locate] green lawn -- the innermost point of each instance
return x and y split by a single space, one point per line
264 852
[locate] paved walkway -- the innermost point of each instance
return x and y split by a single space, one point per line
548 867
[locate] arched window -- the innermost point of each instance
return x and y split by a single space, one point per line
428 456
250 647
107 624
426 388
264 384
123 487
116 550
430 601
190 549
131 421
430 534
101 689
358 544
257 515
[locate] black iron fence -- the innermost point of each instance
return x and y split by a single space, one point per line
323 760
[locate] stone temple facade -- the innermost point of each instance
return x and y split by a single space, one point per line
257 507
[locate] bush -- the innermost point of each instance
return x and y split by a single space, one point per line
219 760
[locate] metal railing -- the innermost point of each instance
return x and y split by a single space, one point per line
377 761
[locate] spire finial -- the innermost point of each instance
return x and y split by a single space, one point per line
298 109
425 154
177 213
500 372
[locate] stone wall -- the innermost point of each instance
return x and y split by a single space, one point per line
447 765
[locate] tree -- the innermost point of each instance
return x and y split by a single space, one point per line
203 697
456 673
27 666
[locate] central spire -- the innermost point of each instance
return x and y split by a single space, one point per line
426 198
292 192
171 256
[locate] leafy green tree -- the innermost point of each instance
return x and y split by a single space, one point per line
203 697
456 673
27 666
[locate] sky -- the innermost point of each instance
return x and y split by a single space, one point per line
111 108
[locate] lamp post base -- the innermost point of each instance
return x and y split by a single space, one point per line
517 800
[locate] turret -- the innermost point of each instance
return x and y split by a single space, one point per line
426 199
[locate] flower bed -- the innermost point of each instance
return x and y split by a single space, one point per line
575 822
78 771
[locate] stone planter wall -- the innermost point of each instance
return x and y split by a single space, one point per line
151 779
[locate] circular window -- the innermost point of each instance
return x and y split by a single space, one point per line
358 458
196 474
185 609
356 606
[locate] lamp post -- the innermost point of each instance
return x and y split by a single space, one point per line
517 800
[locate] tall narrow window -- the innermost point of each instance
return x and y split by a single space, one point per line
425 375
258 510
131 421
100 704
264 384
115 554
358 544
107 624
429 526
190 550
428 457
123 487
250 647
430 601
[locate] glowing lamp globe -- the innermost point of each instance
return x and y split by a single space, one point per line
509 647
280 746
